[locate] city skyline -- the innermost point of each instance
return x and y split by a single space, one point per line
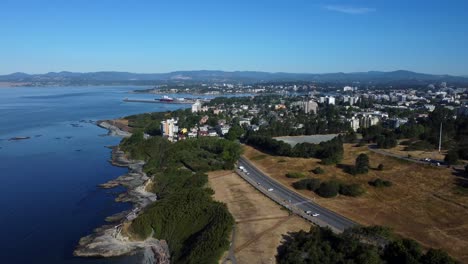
269 36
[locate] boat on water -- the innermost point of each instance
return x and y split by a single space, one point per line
18 138
165 98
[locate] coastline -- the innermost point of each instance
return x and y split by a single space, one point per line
108 240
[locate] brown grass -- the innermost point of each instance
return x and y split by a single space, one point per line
420 205
260 223
418 154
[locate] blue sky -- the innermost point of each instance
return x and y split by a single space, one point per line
266 35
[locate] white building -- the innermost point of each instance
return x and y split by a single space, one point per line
169 128
354 123
196 107
352 100
244 121
307 105
368 121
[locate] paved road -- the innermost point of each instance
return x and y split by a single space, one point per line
432 162
327 217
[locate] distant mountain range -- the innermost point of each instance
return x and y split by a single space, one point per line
111 77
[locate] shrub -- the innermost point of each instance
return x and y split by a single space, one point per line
352 190
328 189
309 184
380 167
318 170
362 164
295 175
452 157
419 145
380 183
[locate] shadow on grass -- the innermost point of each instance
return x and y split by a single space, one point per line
460 173
461 186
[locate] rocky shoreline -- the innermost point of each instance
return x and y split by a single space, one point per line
109 240
113 130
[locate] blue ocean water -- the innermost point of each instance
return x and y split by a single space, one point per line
48 183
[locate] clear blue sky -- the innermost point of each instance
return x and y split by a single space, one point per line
267 35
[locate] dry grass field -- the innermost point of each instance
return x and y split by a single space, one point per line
418 154
421 204
260 223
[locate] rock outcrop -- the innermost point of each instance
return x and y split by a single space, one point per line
111 240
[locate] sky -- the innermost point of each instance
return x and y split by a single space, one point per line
303 36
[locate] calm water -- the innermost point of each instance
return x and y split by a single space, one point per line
48 194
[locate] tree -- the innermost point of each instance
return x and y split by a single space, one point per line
234 132
309 184
452 157
328 189
436 256
352 190
403 251
362 164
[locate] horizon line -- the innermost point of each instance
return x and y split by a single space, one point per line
233 71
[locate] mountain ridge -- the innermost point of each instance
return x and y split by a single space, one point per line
239 76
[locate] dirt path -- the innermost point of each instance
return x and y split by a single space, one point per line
260 223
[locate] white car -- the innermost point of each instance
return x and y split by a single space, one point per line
308 212
241 167
270 190
315 215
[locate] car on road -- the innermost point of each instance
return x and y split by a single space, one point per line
241 168
258 183
312 214
270 190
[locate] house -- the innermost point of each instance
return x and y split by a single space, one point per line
244 121
204 119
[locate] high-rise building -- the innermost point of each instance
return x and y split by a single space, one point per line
307 105
169 128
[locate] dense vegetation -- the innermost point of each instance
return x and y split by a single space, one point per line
424 134
321 245
329 189
150 123
328 151
195 226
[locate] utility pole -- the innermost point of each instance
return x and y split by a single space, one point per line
440 137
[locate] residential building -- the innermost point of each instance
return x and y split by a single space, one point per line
307 105
169 128
196 107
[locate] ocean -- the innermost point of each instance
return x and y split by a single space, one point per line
48 183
